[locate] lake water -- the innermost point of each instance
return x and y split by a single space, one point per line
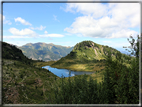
65 72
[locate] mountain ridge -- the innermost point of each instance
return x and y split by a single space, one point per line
86 53
10 51
45 52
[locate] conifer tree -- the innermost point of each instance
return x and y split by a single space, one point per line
108 90
128 84
134 71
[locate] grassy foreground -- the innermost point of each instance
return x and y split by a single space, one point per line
26 84
90 66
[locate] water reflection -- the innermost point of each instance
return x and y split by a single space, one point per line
65 72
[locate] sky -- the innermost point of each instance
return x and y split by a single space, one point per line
67 24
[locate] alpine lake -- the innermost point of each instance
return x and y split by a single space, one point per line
65 72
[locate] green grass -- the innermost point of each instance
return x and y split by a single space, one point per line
77 65
41 64
29 83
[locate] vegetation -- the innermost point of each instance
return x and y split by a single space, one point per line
25 84
23 81
41 64
11 52
88 56
120 84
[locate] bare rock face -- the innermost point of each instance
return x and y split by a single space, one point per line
92 44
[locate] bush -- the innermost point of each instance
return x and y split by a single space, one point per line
78 91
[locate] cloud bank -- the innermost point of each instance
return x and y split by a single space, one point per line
22 32
28 33
113 20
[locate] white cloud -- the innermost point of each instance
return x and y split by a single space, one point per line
37 36
3 17
88 26
123 33
126 13
24 22
51 35
106 21
45 32
87 9
28 33
38 28
23 32
11 37
5 21
55 18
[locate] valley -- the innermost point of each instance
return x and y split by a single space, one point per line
26 82
71 52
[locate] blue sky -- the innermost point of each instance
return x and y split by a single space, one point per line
69 23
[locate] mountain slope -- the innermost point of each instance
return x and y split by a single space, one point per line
45 52
84 55
13 53
22 81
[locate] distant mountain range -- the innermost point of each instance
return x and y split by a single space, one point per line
48 52
45 52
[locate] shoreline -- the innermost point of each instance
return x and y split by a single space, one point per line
68 68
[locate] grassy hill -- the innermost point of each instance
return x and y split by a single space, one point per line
45 52
87 56
120 82
22 81
13 53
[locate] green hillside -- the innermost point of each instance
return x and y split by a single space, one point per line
13 53
22 81
45 52
87 56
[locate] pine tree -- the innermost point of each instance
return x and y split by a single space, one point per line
129 84
108 82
